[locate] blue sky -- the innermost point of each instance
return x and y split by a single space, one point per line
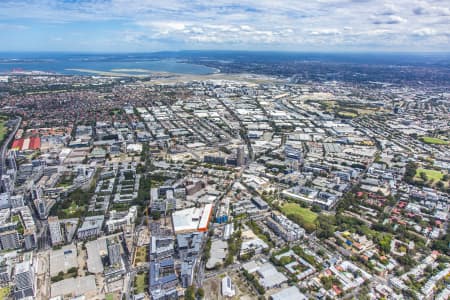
291 25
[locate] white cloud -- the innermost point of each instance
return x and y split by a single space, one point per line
422 32
291 24
325 32
389 20
427 8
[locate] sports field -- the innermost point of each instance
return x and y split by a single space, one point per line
433 140
306 214
3 128
431 174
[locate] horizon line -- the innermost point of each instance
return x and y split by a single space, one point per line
231 51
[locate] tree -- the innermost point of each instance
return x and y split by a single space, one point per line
409 293
442 244
384 241
189 293
156 215
410 172
424 176
364 293
325 226
200 293
391 200
316 208
406 260
327 282
229 260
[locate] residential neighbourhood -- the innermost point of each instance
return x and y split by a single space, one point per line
233 187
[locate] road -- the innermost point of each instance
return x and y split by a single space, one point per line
200 274
5 146
43 238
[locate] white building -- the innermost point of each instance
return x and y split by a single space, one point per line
289 293
270 277
121 222
192 219
228 289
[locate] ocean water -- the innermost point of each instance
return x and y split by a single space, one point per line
65 63
191 62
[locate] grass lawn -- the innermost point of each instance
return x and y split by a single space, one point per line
431 174
109 297
140 283
294 209
4 292
432 140
73 208
347 114
115 111
65 181
3 129
141 255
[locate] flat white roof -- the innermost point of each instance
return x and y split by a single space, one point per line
74 286
289 293
186 219
191 219
63 259
205 216
270 276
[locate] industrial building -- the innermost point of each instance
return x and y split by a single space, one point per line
192 219
289 293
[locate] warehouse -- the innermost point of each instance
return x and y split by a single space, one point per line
192 219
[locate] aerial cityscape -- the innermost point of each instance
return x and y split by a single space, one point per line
224 156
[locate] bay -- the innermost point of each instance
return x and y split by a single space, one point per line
79 64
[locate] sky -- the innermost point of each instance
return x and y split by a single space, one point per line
289 25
